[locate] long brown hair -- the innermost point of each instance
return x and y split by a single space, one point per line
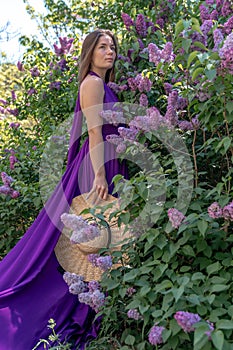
88 47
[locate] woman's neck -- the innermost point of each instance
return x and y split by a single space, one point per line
100 72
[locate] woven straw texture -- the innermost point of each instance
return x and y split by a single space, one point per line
73 257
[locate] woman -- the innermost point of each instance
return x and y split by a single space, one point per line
32 289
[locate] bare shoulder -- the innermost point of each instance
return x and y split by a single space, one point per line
91 91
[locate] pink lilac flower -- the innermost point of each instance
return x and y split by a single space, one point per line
140 25
14 194
155 335
35 72
77 287
175 217
71 277
186 320
134 314
228 25
143 100
128 22
215 211
20 66
6 179
218 39
227 212
226 54
130 291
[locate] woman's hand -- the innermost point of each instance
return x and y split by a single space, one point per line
99 189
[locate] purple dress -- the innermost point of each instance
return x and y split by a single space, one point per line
32 289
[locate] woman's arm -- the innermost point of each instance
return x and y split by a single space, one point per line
91 99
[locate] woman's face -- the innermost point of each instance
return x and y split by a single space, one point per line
104 54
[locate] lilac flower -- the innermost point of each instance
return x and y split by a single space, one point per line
98 299
171 115
14 125
92 258
218 39
167 52
86 298
130 291
128 22
14 194
55 85
154 53
73 222
65 48
155 335
14 111
186 320
226 54
6 179
175 217
206 26
77 287
227 212
227 8
133 313
93 285
104 262
204 13
34 148
211 326
143 100
228 25
144 83
112 117
88 233
114 139
121 148
13 95
214 210
5 189
182 103
123 87
35 72
140 25
185 125
13 160
71 277
113 86
141 45
31 91
168 88
2 110
195 123
132 84
160 22
214 15
20 66
127 133
4 102
62 64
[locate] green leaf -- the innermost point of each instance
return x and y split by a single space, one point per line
211 74
178 293
197 72
191 57
202 226
218 288
229 106
130 340
179 27
218 339
213 268
224 324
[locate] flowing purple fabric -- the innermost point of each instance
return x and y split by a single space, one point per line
32 289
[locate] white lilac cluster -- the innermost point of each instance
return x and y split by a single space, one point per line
82 231
103 262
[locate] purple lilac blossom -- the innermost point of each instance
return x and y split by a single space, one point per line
86 298
77 287
127 133
93 285
154 53
14 111
227 8
104 262
185 125
121 148
128 22
55 85
86 234
112 117
186 320
62 64
35 72
13 160
4 102
215 211
143 83
6 179
92 258
171 114
114 139
228 25
218 39
73 222
175 217
214 15
5 189
204 13
206 26
168 88
140 25
167 52
226 54
20 66
227 211
155 335
14 125
71 277
143 100
31 91
134 314
13 95
14 194
98 299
